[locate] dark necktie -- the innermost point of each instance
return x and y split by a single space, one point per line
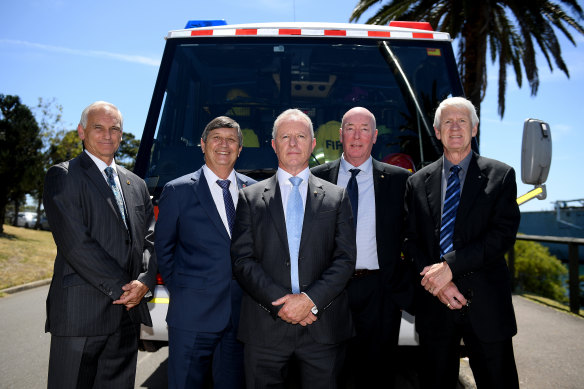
451 201
353 191
294 219
229 207
109 172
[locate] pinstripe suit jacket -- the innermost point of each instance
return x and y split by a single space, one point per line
96 254
261 261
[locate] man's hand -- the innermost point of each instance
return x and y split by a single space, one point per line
451 297
311 318
296 309
133 294
436 277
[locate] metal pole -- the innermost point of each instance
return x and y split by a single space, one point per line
574 278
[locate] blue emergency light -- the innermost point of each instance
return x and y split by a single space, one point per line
205 23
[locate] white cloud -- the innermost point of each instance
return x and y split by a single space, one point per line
86 53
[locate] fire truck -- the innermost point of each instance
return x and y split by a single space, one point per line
253 72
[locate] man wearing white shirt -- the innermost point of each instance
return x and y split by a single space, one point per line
380 285
293 251
192 240
102 221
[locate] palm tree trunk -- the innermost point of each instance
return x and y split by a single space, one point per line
473 55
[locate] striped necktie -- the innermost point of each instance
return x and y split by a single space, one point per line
228 200
451 201
109 172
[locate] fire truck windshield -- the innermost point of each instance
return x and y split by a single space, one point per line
253 80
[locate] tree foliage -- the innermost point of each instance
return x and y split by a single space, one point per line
126 154
507 30
539 272
19 151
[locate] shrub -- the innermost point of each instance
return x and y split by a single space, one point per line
539 272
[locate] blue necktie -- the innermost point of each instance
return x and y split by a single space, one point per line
109 172
353 192
294 219
451 201
229 207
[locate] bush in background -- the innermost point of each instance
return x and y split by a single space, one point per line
537 271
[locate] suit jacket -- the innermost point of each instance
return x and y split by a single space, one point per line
261 261
389 184
96 254
192 247
485 228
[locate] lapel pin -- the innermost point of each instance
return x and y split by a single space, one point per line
128 182
315 193
382 176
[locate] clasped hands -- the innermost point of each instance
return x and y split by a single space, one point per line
296 309
133 294
437 279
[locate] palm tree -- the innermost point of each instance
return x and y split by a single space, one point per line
486 24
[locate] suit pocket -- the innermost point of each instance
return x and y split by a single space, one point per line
73 279
191 281
329 213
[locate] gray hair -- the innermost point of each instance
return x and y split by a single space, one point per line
290 114
222 122
95 105
458 102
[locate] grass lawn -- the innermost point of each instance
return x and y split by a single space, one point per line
25 256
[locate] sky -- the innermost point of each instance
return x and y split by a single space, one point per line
78 52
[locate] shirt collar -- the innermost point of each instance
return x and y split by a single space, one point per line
102 165
463 164
212 177
365 167
283 176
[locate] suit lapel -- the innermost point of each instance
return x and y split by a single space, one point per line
97 178
474 182
314 198
129 200
433 185
203 193
273 200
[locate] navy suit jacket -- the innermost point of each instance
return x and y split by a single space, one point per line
192 246
485 228
261 261
96 254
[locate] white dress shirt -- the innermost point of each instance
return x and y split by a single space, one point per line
217 193
366 228
101 166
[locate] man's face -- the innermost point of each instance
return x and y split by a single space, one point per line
358 136
456 130
221 149
293 145
103 133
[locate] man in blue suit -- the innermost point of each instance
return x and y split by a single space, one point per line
192 239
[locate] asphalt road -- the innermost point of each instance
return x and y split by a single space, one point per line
549 348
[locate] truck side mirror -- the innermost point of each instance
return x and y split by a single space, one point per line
536 158
536 152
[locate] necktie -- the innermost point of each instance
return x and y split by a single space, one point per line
294 219
109 172
229 208
353 191
451 201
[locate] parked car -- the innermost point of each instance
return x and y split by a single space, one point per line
26 219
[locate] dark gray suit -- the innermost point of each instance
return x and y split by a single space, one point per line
485 228
261 263
96 254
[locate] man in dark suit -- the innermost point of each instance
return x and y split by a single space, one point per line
379 286
193 237
102 221
461 218
293 251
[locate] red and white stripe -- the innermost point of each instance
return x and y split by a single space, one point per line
350 31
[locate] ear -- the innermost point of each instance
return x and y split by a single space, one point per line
341 134
375 136
437 132
202 146
274 146
474 130
80 132
313 144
